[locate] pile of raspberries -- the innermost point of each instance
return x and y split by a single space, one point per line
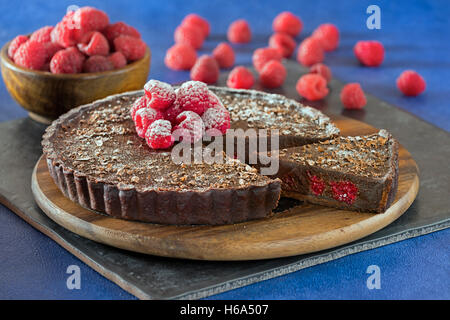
83 41
164 115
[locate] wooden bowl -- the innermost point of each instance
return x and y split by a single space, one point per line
46 95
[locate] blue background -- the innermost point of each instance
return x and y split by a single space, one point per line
415 35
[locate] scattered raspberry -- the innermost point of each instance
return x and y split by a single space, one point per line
64 32
97 64
15 44
90 19
144 117
240 78
263 55
196 20
369 53
193 96
93 44
189 34
316 185
160 95
312 87
352 96
159 135
321 69
205 69
69 60
30 55
283 42
224 55
117 59
273 74
344 191
239 32
189 128
42 35
411 83
114 30
328 35
131 47
180 57
217 120
140 103
310 52
50 49
288 23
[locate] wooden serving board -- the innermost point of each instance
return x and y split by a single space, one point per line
298 230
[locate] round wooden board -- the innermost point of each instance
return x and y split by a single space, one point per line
299 230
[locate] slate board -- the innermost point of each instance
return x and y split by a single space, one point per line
150 277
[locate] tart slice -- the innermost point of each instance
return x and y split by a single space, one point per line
355 173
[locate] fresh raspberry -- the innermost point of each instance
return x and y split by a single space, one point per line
310 52
263 55
312 86
224 55
288 23
145 117
283 42
344 191
114 30
239 32
30 55
159 135
316 185
131 47
189 34
196 20
42 34
140 103
97 64
321 69
173 111
328 35
90 19
160 95
352 96
217 120
189 128
93 44
64 32
193 96
180 57
117 59
273 74
69 60
50 49
411 83
205 69
15 44
240 78
369 53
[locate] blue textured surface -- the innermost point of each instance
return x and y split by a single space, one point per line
415 35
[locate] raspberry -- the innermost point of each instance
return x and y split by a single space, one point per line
321 69
352 96
189 128
288 23
180 57
114 30
173 111
140 103
411 83
283 42
240 78
69 60
160 95
312 87
205 69
131 47
64 32
239 32
94 43
193 96
50 50
369 53
30 55
144 117
310 52
196 20
159 135
328 35
15 44
263 55
273 74
217 120
42 35
316 185
97 64
224 55
117 59
90 19
344 191
189 34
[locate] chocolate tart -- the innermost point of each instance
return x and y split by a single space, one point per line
355 173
